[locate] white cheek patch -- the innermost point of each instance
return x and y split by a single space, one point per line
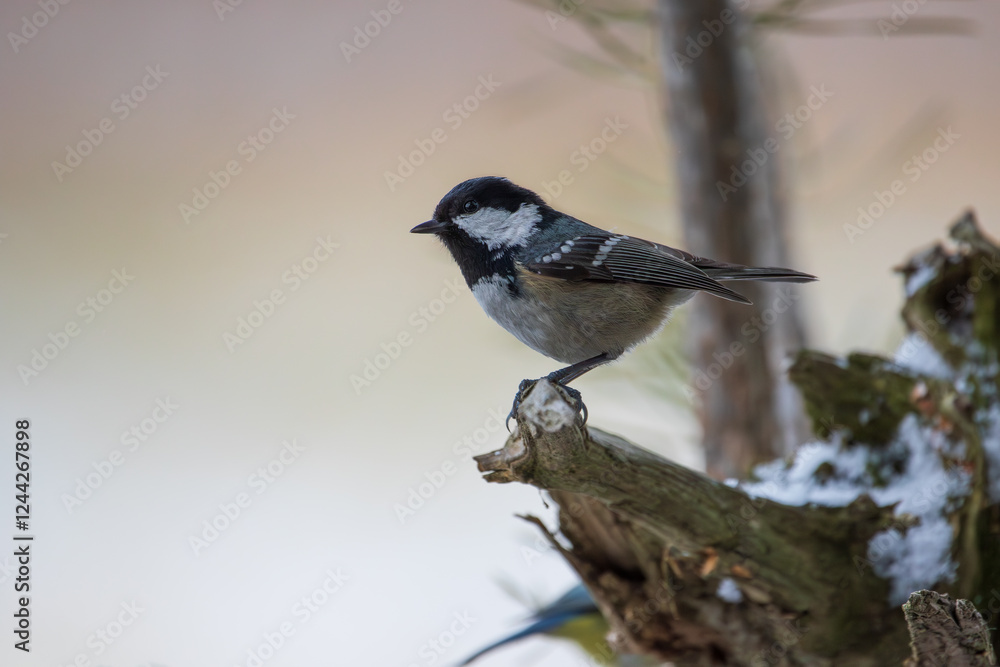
498 228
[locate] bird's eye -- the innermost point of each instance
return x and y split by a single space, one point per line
471 206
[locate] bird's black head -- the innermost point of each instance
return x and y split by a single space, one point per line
482 222
484 193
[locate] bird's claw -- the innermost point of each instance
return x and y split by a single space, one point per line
578 397
517 400
525 384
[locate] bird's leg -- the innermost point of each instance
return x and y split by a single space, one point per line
566 375
563 377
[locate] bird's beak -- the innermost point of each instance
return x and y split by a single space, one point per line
429 227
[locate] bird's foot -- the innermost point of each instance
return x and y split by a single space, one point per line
518 397
527 384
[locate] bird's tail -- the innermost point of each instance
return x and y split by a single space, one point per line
770 274
538 627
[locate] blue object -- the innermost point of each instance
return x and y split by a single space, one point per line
573 616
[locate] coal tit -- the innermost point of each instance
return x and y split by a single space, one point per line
573 292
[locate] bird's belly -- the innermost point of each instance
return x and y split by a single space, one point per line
569 322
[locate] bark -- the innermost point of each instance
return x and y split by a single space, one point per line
946 632
716 116
654 540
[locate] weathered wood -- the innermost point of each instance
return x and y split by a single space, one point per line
946 632
654 541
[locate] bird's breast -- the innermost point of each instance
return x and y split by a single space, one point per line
574 321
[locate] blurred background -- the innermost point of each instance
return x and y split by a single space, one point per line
254 396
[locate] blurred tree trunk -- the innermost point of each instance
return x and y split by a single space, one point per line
715 111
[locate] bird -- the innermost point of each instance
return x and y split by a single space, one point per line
573 616
573 292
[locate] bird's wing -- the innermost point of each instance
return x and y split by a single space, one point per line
544 625
574 604
607 257
576 600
